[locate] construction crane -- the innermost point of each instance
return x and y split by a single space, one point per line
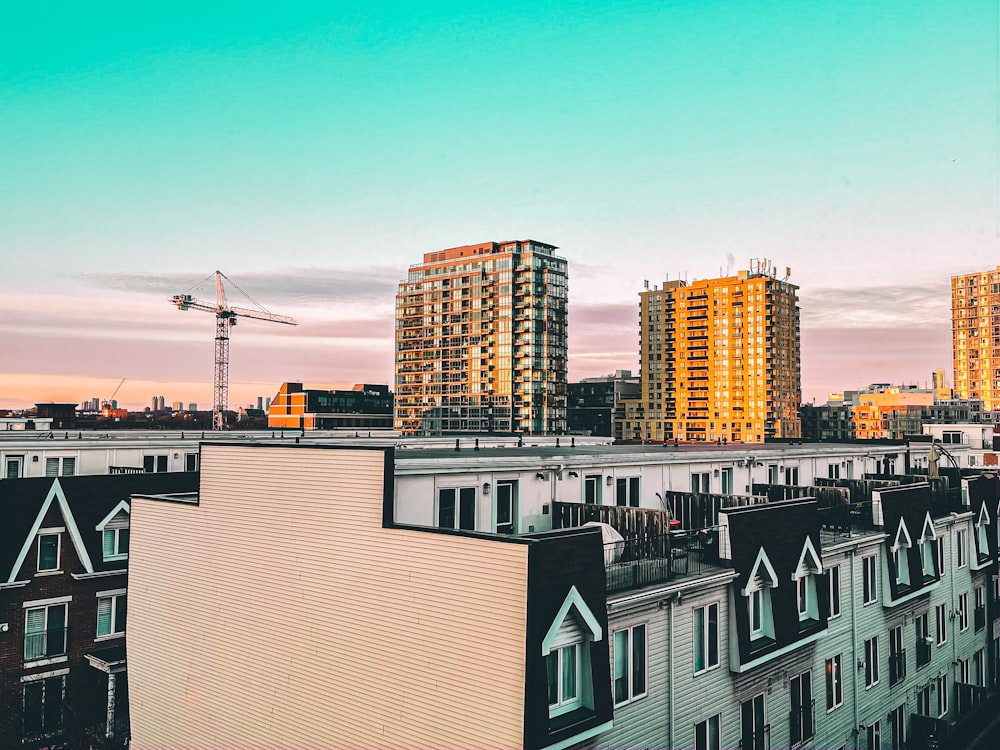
108 402
225 318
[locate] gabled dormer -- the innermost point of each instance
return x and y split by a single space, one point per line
114 530
984 533
566 649
900 556
757 593
805 577
928 549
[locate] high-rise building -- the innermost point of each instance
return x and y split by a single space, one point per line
975 325
481 341
719 361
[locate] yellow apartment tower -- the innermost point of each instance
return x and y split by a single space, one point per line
719 361
975 326
481 341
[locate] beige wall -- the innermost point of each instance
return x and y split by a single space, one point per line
280 614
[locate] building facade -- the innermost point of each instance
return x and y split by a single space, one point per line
481 341
593 402
719 361
295 407
975 325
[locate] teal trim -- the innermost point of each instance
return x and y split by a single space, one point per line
740 668
890 603
584 735
573 599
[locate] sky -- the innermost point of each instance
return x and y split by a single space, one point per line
313 151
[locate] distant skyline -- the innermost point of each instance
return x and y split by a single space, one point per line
312 153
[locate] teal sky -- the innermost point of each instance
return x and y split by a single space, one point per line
855 142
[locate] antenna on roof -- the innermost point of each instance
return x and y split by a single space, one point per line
645 283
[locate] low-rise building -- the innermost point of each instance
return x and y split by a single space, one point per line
298 408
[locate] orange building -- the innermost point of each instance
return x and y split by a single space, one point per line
890 412
719 361
975 325
481 341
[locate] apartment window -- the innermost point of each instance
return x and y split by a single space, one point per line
962 671
754 730
457 508
60 467
871 662
941 618
706 638
875 735
928 549
870 582
111 614
562 667
45 632
592 489
190 462
924 701
961 545
922 627
979 667
897 728
963 612
834 683
630 664
833 578
758 594
627 491
897 655
772 472
48 552
701 481
727 481
940 556
43 705
116 543
982 535
506 507
707 734
980 614
151 464
801 719
13 466
792 475
833 471
941 687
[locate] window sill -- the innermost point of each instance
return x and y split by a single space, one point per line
45 662
831 710
109 637
706 669
576 716
115 558
634 699
761 642
42 573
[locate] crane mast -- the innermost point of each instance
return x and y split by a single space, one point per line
225 319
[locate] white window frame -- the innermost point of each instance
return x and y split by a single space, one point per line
117 598
834 591
594 480
941 624
703 638
874 735
47 606
871 663
116 544
708 733
631 672
458 507
57 533
869 572
901 554
563 703
963 612
961 547
834 667
632 494
758 595
929 549
941 686
804 577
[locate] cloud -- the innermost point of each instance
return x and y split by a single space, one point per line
272 289
605 315
889 306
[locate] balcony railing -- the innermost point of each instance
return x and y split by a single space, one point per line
757 740
897 666
802 723
45 645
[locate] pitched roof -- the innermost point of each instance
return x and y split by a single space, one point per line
90 499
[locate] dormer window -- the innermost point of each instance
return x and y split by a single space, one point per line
804 577
982 535
900 554
928 549
115 533
48 551
758 594
566 649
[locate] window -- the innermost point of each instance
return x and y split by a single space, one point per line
962 671
834 683
630 664
875 735
962 551
871 662
979 667
901 555
834 582
792 475
941 618
897 655
707 734
980 614
701 481
758 593
506 507
152 464
45 632
870 583
562 666
727 481
13 466
940 556
801 717
923 639
982 535
706 638
963 612
941 687
808 568
116 543
833 471
755 732
111 614
457 508
56 467
43 705
48 552
627 491
928 548
190 462
592 489
772 473
897 728
924 701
